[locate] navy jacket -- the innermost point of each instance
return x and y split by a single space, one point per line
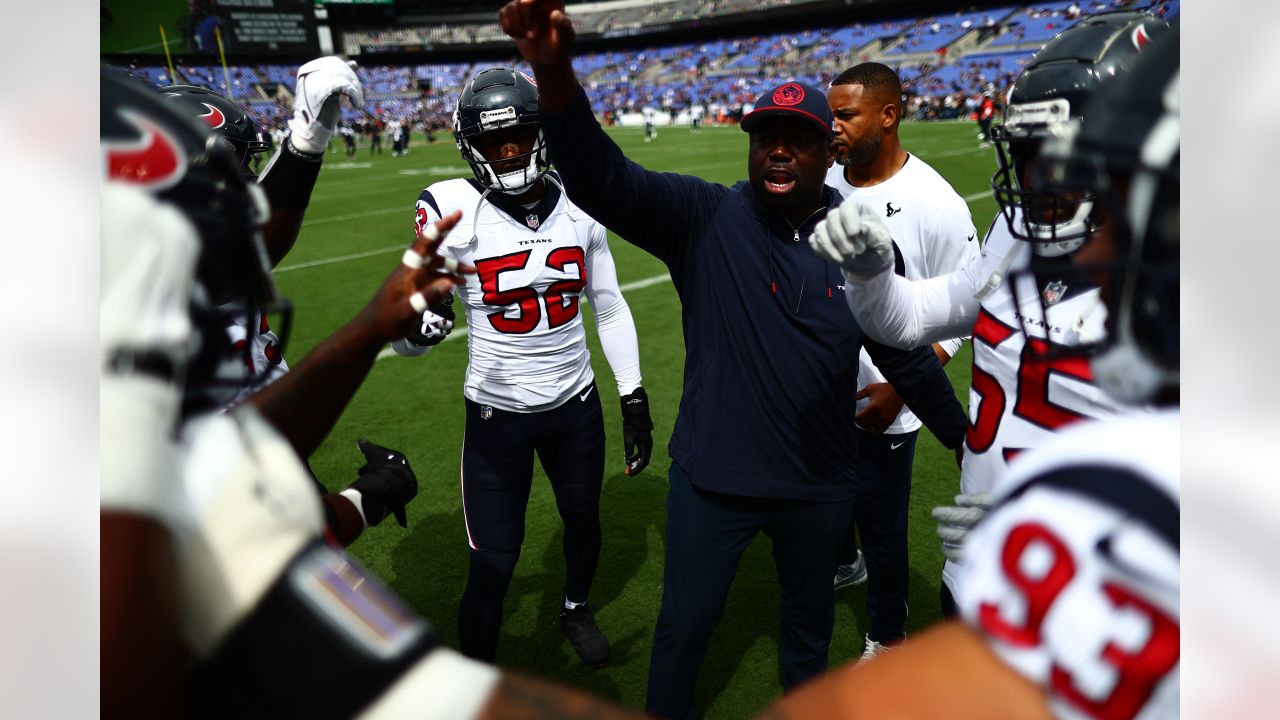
771 349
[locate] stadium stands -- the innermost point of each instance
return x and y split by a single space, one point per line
947 62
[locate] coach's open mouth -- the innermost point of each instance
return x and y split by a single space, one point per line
779 182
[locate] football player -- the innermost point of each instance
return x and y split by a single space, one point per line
1070 597
529 386
249 601
287 182
287 185
1020 393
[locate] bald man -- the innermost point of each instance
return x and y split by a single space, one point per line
934 235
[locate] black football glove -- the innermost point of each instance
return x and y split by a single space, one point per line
386 484
437 322
637 435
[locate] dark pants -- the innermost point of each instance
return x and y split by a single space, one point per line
497 473
880 517
706 535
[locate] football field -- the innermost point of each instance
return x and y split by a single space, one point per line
359 221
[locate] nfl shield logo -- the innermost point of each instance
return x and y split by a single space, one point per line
532 221
1054 291
486 412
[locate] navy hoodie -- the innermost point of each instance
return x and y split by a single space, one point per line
771 349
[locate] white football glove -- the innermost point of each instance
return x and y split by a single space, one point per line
316 103
435 328
955 522
854 237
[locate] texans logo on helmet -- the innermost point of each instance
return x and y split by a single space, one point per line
214 117
155 160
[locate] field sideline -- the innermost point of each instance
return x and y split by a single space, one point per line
358 222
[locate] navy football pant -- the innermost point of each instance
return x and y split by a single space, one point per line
880 517
497 473
706 535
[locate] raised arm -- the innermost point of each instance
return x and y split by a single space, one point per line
304 403
662 213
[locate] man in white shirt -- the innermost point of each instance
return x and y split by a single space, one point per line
1022 391
934 235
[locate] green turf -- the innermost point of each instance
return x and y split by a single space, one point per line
415 405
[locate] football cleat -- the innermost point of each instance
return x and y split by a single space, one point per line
580 627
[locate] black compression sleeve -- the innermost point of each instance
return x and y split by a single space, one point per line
290 177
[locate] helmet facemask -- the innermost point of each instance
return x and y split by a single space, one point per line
1055 223
510 175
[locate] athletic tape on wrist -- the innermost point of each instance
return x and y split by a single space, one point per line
418 302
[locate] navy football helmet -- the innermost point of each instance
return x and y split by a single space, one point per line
495 99
1047 96
224 115
1126 153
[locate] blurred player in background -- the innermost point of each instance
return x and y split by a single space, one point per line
529 387
933 235
287 185
1070 599
1020 393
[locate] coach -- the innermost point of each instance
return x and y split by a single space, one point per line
764 439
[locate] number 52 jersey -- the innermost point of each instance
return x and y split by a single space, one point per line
527 347
1073 577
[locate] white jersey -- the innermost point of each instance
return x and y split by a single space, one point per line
1017 400
1073 578
526 343
933 230
264 359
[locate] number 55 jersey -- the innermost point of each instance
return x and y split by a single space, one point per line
1073 577
527 347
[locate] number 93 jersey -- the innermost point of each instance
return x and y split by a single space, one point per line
1073 576
527 348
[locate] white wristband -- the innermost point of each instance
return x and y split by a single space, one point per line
418 302
356 499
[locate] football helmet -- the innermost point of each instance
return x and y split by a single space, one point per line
224 115
158 146
1047 96
494 99
1126 152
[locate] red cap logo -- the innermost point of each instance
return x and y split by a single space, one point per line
154 161
214 117
788 95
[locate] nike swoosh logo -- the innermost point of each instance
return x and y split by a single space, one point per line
971 237
895 446
583 396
